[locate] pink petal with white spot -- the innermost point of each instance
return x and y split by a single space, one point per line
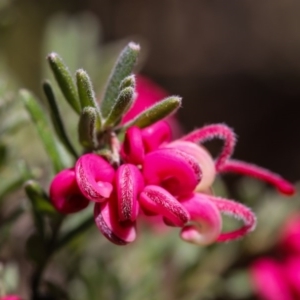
156 199
204 159
238 211
129 183
107 221
176 171
206 221
156 135
65 195
94 176
132 150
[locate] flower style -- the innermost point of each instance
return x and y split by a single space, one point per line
158 176
280 278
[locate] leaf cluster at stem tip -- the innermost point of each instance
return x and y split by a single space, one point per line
98 118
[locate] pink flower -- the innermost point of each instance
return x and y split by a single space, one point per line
289 241
279 278
173 180
269 280
157 176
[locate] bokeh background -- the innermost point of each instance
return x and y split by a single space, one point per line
235 62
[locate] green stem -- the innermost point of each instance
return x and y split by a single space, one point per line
54 245
38 273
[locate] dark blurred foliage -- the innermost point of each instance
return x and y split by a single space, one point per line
235 61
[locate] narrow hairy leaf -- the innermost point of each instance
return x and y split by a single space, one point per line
128 81
85 90
156 112
64 80
122 105
39 203
87 128
57 120
41 122
122 69
38 197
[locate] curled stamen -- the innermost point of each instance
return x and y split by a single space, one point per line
204 159
158 200
129 183
65 194
175 170
210 132
133 148
106 218
241 167
238 211
94 176
206 221
155 135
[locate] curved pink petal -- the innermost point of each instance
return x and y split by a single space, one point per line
268 280
94 176
156 199
107 220
209 132
289 240
65 195
204 159
241 167
132 150
129 183
206 221
176 171
238 211
156 135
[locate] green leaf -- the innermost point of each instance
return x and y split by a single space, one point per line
39 118
128 81
57 120
40 204
64 80
39 198
122 69
122 105
85 90
87 128
155 113
8 185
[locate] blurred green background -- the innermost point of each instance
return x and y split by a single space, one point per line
235 62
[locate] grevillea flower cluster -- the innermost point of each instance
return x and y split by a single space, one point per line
278 278
148 173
